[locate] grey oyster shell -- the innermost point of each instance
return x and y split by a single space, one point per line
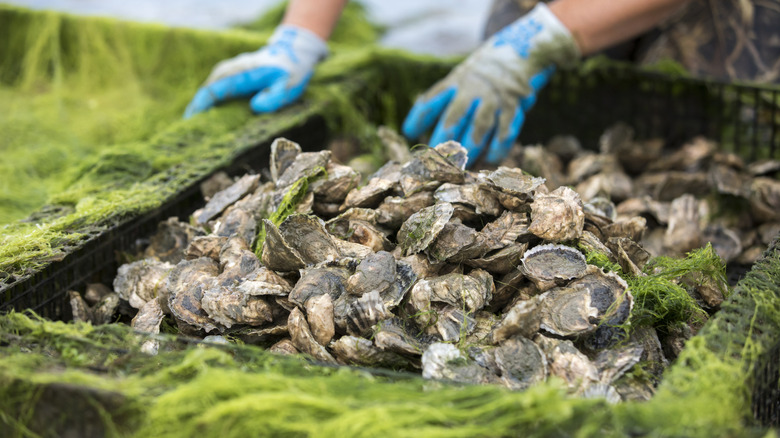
305 165
521 363
283 154
307 235
319 313
513 182
550 263
428 169
523 318
481 199
421 228
140 281
186 285
557 217
263 281
353 350
319 281
227 197
335 187
568 311
171 240
277 254
303 340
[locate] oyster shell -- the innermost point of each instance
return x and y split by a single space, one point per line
501 261
277 254
375 272
568 311
613 363
481 199
335 187
505 230
397 335
262 281
148 320
284 347
521 363
283 154
421 228
394 210
307 235
205 246
319 281
80 309
683 234
765 199
427 170
238 222
103 311
551 263
519 187
523 318
558 216
227 197
453 323
568 363
228 306
353 350
379 185
610 296
454 152
394 144
139 282
364 313
170 241
470 292
305 165
303 340
444 361
186 285
456 243
319 313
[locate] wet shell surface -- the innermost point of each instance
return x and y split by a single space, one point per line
553 262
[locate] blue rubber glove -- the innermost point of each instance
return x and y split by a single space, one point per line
275 75
484 99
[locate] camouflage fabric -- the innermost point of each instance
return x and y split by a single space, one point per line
734 40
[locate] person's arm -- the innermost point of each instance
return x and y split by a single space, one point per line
599 24
318 16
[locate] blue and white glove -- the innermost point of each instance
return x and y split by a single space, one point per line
484 99
275 75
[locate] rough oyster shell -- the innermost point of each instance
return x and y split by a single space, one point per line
521 362
375 272
421 228
305 165
186 285
568 311
319 313
227 197
335 187
277 254
471 292
505 230
524 319
558 216
394 210
283 153
352 350
170 241
240 222
319 281
263 281
481 199
456 243
139 282
307 235
379 185
205 246
303 340
427 170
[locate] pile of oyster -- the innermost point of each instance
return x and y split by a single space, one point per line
695 195
466 276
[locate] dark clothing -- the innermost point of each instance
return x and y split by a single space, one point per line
734 40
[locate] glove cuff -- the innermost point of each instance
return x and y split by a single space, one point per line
304 43
541 37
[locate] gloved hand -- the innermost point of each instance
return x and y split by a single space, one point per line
487 95
276 74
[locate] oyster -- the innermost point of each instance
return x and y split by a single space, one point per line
139 282
481 199
239 222
444 361
319 313
505 230
547 264
427 170
226 197
421 228
339 182
470 292
303 340
394 144
610 296
236 260
283 153
80 309
379 185
394 210
227 306
454 152
765 199
568 363
103 311
568 311
277 254
456 243
612 364
558 216
352 350
683 234
148 320
364 313
305 165
521 363
186 285
319 281
307 235
502 261
453 323
171 240
375 272
263 281
205 246
523 318
284 347
396 334
96 292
